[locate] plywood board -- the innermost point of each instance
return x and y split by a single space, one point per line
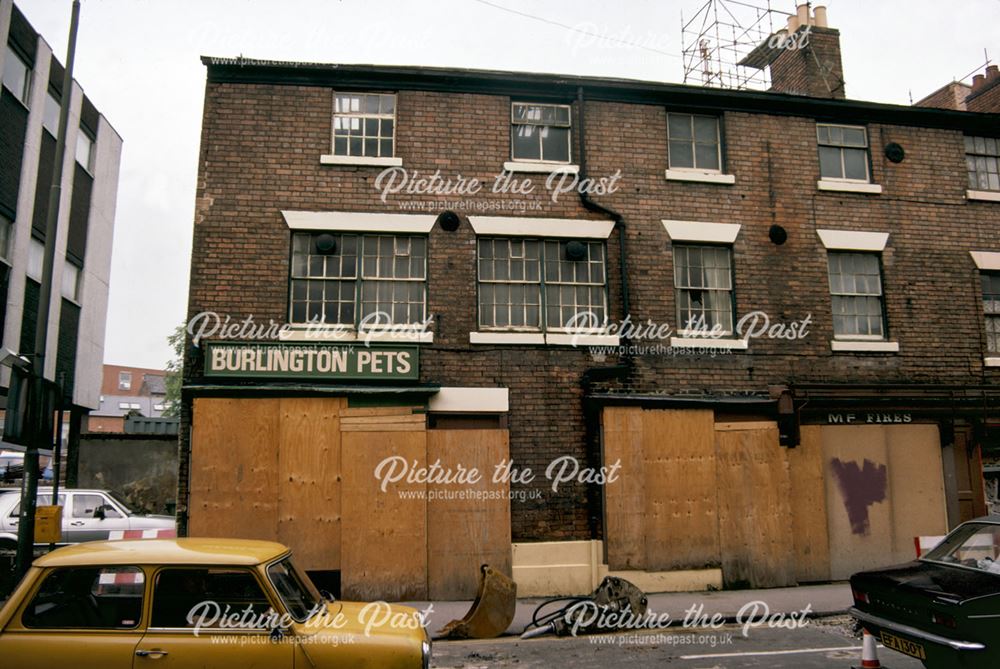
855 465
309 480
916 479
624 498
754 509
383 552
680 489
808 507
468 524
234 468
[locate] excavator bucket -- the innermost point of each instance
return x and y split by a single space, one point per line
492 612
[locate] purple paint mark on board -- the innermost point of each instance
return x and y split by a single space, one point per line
860 487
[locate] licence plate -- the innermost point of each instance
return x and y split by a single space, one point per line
911 648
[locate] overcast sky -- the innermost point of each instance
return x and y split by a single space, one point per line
138 60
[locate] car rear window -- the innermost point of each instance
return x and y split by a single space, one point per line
973 545
88 597
184 596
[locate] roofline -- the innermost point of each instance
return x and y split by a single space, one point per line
558 87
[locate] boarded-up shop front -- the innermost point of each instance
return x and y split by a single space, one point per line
304 470
699 490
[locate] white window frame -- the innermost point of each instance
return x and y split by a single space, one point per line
52 106
694 142
540 164
359 281
843 166
681 329
334 158
881 297
124 380
23 95
543 328
975 191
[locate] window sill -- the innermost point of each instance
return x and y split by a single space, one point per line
991 362
701 177
335 335
862 346
542 339
983 195
849 186
709 342
360 161
506 338
540 168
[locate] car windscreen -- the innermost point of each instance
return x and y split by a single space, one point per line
118 499
296 590
973 545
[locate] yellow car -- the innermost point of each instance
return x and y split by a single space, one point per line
184 603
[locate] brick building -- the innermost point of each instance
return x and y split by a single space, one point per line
30 104
128 391
799 452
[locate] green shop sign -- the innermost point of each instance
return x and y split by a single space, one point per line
312 360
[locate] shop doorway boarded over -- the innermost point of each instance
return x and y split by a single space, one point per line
302 471
696 492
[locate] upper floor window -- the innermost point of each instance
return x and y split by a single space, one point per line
843 152
982 159
694 142
50 117
541 285
703 279
856 295
539 132
124 380
36 259
16 75
363 281
364 125
71 282
6 230
85 151
991 307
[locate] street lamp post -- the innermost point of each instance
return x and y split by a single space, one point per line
39 438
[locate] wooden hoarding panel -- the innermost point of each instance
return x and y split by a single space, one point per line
857 497
682 530
916 479
624 498
234 468
468 524
309 480
808 507
755 532
383 552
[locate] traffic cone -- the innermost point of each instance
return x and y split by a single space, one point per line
869 653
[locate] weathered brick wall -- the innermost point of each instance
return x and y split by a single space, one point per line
985 97
260 154
951 96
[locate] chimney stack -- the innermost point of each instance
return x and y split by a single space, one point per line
810 64
985 94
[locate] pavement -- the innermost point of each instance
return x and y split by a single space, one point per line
729 605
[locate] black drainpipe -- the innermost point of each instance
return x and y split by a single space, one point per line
621 371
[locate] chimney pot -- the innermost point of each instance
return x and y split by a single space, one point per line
992 72
803 15
978 81
819 14
793 24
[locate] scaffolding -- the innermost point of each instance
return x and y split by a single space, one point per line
720 35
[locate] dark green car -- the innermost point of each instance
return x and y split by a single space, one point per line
944 608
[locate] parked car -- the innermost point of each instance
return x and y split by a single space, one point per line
124 604
944 608
88 515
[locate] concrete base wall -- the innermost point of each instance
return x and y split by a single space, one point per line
563 568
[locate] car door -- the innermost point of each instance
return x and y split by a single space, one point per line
82 617
186 629
83 523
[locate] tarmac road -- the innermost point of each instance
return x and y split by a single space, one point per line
822 644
